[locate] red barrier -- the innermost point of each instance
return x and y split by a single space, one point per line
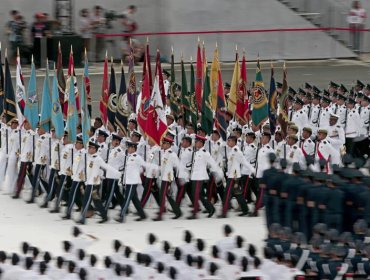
231 31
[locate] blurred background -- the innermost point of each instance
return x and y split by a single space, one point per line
272 29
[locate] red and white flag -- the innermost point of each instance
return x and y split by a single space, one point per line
20 91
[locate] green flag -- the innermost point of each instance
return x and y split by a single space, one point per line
174 98
260 102
185 96
207 113
192 98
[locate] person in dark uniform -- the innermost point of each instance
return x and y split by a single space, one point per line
334 203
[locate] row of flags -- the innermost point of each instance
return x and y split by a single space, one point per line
64 105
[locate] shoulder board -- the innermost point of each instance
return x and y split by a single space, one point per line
309 141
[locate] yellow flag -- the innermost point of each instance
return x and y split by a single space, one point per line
234 86
215 67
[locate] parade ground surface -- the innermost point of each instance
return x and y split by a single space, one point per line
23 222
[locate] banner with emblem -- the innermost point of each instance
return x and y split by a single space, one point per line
260 102
213 77
72 117
207 113
45 118
56 114
122 110
71 76
194 109
103 106
20 90
272 104
61 79
112 100
131 89
1 85
31 109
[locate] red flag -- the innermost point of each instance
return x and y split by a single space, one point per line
199 79
71 75
158 72
104 93
142 115
61 80
156 126
242 104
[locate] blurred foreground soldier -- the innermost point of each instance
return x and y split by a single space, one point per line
201 160
334 204
130 180
93 180
169 162
335 133
26 158
235 160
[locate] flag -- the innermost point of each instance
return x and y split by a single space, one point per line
207 113
220 120
87 84
284 105
61 80
131 90
193 100
31 109
1 85
112 100
85 117
72 117
72 76
10 105
272 104
260 103
148 64
57 114
156 126
45 118
19 89
234 86
122 112
215 66
185 96
199 78
142 116
242 104
158 72
174 99
104 93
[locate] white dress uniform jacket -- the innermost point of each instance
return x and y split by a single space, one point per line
134 164
336 136
66 160
353 126
42 149
28 137
263 161
250 151
94 164
169 162
235 161
116 159
202 160
79 165
56 148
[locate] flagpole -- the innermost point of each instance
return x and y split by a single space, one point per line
7 132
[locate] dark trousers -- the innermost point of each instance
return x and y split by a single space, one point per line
74 195
199 194
114 193
350 146
334 221
131 195
24 168
260 194
165 193
150 187
230 192
51 185
92 193
65 182
212 190
36 180
183 187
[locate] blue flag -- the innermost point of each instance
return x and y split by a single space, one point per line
72 117
112 98
56 114
85 117
122 111
31 110
45 118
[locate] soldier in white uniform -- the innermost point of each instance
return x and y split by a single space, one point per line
26 157
5 133
14 149
294 153
250 151
313 118
352 127
131 179
169 163
166 82
41 159
199 176
335 133
306 144
185 155
93 179
235 160
78 177
341 109
152 155
300 117
324 150
363 140
324 113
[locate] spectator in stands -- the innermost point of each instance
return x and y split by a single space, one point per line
14 29
356 20
98 27
85 29
39 30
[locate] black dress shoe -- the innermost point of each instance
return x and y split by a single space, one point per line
119 219
54 211
44 205
80 222
253 214
222 216
16 196
205 211
176 217
157 219
243 214
140 219
103 220
30 201
192 217
66 217
211 213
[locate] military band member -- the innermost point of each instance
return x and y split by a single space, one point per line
93 179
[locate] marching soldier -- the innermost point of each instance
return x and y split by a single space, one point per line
294 154
93 179
185 154
363 141
300 118
315 112
324 149
306 144
335 133
78 177
169 163
352 126
5 133
250 150
341 109
324 113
